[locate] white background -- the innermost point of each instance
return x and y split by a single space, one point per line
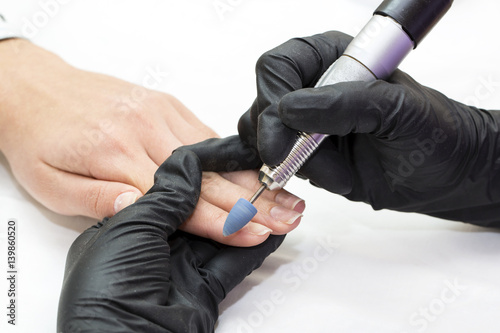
346 268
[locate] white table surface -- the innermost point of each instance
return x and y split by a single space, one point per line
346 268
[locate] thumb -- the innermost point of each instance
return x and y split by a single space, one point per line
95 198
74 194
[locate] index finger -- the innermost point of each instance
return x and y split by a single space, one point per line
296 64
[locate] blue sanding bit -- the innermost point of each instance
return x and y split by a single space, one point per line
241 213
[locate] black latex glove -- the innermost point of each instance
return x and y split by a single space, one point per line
135 273
394 144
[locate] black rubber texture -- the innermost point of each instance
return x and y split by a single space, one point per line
417 17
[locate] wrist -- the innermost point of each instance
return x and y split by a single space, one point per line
25 70
20 58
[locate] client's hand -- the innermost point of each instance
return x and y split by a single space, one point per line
88 144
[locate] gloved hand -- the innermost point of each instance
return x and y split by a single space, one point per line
135 273
394 144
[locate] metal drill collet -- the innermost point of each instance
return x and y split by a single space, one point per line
276 177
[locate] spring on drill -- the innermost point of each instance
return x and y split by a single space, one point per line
301 150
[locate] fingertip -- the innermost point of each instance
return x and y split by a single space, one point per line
300 206
105 199
124 200
256 229
114 199
251 234
291 201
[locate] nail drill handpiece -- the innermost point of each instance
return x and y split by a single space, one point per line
396 28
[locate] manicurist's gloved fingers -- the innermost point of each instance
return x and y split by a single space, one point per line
406 146
225 155
347 111
222 267
293 65
232 264
345 108
336 177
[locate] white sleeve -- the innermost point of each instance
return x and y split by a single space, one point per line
7 31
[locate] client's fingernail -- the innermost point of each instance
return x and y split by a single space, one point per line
300 207
284 215
257 229
124 200
291 201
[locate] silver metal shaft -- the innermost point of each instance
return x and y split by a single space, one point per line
258 193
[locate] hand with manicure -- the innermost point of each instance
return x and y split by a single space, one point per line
78 149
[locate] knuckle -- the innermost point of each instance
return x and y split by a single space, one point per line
207 132
267 59
210 181
140 102
217 217
205 221
285 53
168 98
115 147
95 201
